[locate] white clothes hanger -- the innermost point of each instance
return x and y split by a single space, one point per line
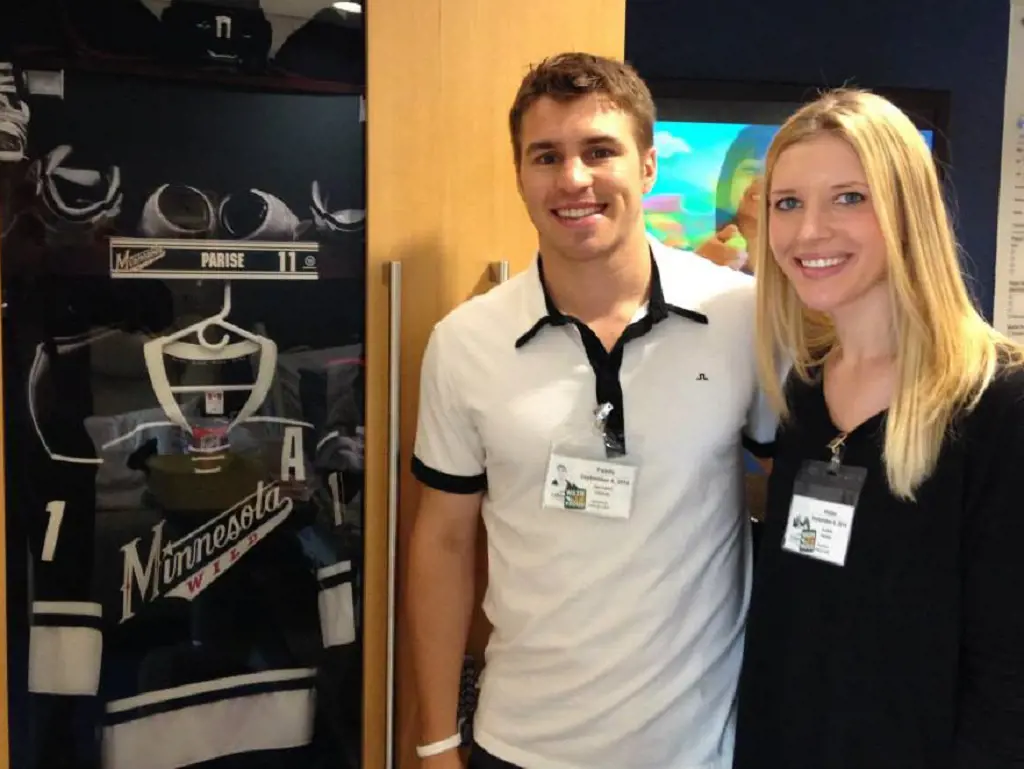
204 350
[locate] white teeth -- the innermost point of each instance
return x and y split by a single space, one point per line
577 213
823 262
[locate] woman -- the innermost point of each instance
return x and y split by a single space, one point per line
886 626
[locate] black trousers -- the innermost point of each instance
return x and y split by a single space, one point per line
481 759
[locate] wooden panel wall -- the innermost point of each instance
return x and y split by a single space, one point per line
442 200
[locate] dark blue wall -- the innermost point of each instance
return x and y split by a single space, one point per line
954 45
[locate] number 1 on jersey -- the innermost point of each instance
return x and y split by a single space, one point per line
334 481
55 509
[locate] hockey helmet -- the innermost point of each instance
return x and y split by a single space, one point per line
341 220
73 203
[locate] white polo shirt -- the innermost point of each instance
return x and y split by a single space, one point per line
617 642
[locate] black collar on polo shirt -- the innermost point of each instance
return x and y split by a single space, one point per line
657 307
607 363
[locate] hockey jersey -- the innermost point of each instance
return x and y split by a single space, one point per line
195 560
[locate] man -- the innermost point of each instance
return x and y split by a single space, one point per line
617 605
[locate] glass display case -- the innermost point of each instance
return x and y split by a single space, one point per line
183 273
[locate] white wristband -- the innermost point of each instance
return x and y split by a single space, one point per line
436 748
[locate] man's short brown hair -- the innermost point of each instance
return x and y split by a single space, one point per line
569 76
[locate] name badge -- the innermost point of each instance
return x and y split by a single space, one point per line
822 510
591 486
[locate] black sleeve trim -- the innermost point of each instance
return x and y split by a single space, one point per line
453 484
760 450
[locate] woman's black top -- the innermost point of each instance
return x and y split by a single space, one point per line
911 654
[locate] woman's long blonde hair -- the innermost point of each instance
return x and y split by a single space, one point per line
946 353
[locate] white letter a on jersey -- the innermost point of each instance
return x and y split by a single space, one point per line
293 460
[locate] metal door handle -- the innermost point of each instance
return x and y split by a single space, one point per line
394 406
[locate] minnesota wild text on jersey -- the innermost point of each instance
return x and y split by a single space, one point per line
195 563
